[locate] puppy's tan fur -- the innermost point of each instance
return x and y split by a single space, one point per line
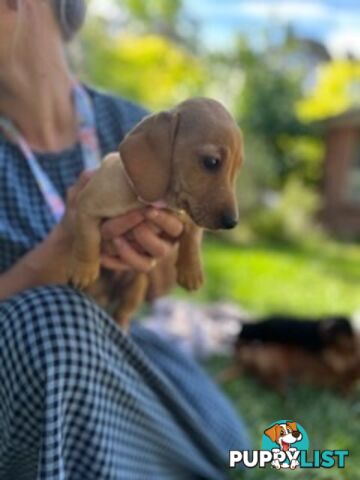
162 159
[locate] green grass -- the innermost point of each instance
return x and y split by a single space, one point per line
266 279
313 281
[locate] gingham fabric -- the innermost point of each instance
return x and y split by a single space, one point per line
78 399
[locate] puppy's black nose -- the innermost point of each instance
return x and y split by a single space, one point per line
296 433
228 220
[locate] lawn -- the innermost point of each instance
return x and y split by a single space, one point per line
267 278
318 281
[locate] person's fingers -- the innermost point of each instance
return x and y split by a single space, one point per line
115 227
153 227
113 263
166 221
108 248
150 241
132 258
162 278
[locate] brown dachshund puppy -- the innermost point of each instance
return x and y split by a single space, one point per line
186 158
280 365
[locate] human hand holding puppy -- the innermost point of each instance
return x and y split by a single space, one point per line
136 240
152 236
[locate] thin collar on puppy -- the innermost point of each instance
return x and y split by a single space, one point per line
157 204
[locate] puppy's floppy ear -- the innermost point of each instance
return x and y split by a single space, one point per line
147 153
272 432
292 425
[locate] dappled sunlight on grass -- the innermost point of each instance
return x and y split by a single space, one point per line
273 279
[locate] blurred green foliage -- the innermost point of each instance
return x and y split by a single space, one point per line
153 55
337 89
290 217
148 69
154 11
159 17
145 59
266 103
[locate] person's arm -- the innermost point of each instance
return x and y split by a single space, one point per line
44 265
47 263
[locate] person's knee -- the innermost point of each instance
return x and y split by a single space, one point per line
46 325
44 305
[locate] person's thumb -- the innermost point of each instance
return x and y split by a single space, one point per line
74 190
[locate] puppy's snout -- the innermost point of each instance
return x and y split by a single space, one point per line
296 434
228 220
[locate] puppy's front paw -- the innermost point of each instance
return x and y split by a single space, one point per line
123 320
190 278
82 274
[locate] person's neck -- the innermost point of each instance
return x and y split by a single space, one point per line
38 101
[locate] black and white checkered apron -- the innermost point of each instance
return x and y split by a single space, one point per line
78 399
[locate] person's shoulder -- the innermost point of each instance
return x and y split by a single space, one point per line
110 108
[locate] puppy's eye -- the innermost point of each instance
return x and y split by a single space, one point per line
211 163
282 432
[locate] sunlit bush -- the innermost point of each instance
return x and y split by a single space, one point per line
337 89
289 217
148 69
